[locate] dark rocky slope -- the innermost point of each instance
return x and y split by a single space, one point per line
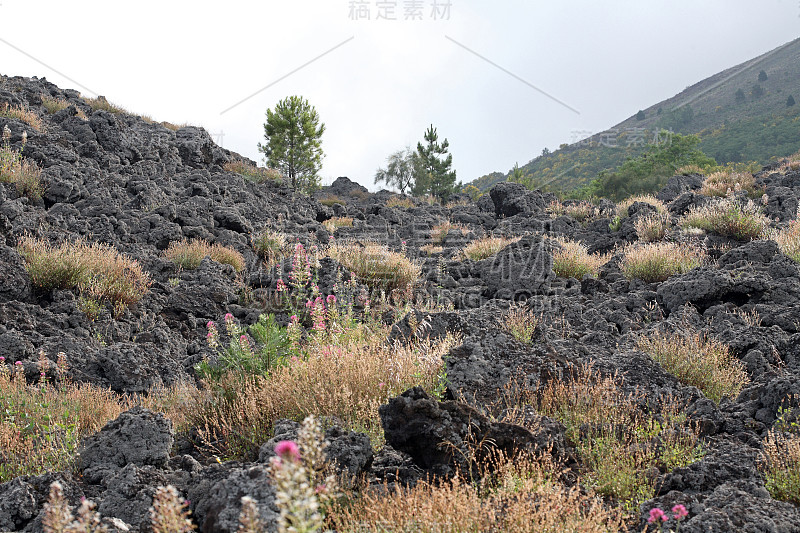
137 186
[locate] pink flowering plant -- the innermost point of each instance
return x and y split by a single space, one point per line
264 346
658 517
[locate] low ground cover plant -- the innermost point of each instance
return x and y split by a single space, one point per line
189 254
743 221
98 271
655 262
697 360
572 260
486 247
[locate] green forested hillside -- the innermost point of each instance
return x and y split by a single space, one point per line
745 113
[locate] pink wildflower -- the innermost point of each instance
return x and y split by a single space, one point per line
280 286
210 324
657 514
680 512
331 299
288 449
2 359
228 317
18 363
294 318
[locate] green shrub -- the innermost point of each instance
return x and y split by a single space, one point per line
243 356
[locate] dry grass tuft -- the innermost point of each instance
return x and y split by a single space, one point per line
252 173
652 228
515 494
101 104
14 168
788 240
691 169
23 114
54 105
97 270
189 254
724 182
331 199
619 446
521 322
781 466
332 224
729 218
400 201
376 265
41 425
486 247
580 211
573 260
347 380
270 245
695 360
655 262
624 205
439 231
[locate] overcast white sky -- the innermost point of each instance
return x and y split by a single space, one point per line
597 62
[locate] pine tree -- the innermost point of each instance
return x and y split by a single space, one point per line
435 176
293 142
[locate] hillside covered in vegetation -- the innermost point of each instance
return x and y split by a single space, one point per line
744 114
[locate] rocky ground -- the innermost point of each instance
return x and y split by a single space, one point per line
138 186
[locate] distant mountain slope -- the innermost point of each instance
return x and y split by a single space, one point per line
745 113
